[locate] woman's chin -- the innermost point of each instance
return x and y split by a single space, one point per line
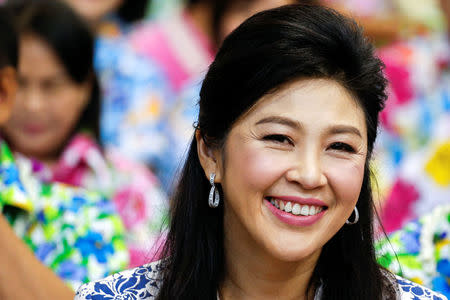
291 252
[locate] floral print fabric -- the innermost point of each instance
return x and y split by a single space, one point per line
142 74
133 189
75 232
421 250
136 100
176 45
412 154
144 283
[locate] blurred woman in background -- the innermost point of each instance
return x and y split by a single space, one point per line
53 237
55 120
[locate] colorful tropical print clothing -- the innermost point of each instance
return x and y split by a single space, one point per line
183 117
134 190
75 232
142 75
420 251
412 155
136 100
176 45
144 283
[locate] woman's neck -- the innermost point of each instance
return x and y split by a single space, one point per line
251 275
49 159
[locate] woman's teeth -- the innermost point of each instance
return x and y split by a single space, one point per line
296 209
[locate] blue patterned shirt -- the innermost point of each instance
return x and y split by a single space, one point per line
144 283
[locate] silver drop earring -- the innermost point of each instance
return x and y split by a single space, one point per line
356 217
214 197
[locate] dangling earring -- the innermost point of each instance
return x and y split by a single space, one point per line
356 218
213 198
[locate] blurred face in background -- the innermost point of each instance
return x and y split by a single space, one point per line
94 10
240 10
48 103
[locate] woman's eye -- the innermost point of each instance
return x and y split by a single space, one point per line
342 147
278 138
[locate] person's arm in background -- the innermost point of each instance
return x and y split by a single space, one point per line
22 275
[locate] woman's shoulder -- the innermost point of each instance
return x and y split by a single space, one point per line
412 291
139 283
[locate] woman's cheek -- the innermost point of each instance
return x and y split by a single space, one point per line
259 167
345 178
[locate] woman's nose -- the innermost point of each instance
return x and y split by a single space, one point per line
33 99
307 170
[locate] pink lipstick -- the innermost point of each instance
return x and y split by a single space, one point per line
298 219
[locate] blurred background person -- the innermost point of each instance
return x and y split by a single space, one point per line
54 237
54 124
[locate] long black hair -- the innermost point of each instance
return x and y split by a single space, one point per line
268 50
72 41
8 39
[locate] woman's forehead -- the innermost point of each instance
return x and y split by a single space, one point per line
303 96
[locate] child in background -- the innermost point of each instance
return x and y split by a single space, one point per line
54 237
53 127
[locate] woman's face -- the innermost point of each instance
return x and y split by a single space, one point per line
48 103
94 10
292 170
241 10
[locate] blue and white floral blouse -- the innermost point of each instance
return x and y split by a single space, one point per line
144 283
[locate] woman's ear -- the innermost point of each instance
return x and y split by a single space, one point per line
209 158
8 87
86 92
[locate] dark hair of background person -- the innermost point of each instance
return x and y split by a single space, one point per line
72 41
133 10
220 7
267 51
8 39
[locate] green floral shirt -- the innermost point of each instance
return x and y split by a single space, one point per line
420 251
76 233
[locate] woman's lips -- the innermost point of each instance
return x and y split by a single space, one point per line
33 129
298 211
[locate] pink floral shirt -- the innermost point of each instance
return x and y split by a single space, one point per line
136 192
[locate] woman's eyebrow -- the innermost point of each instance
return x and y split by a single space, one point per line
339 129
281 120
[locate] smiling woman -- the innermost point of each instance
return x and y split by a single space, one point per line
304 150
288 118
